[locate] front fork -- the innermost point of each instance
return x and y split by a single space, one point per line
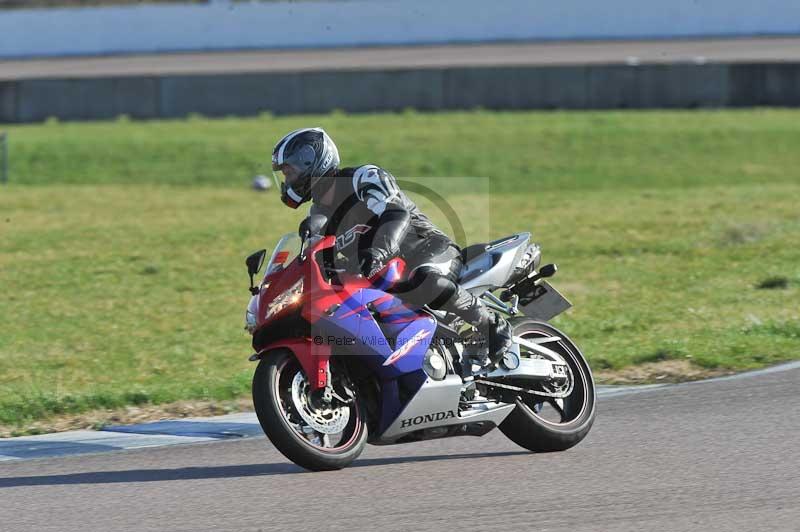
313 358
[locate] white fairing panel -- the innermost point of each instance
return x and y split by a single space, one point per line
494 267
436 404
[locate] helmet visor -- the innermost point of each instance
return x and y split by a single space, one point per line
296 170
294 189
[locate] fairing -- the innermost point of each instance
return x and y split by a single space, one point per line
357 318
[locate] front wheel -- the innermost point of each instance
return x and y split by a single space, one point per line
546 424
314 432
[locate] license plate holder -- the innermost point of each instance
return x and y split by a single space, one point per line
545 302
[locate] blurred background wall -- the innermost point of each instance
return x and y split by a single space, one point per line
523 87
74 63
224 25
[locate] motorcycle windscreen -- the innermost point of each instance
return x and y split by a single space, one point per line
287 248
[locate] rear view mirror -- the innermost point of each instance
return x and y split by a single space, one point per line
255 261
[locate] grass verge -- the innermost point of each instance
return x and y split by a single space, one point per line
518 150
133 294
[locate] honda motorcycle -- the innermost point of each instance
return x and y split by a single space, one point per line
343 362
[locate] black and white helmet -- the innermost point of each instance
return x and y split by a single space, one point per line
299 160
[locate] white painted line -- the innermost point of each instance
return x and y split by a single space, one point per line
787 366
83 442
240 425
613 391
233 426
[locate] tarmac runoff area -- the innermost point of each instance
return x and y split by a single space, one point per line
740 50
243 425
715 455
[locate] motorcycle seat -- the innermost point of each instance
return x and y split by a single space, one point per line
470 252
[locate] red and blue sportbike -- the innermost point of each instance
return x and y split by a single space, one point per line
343 362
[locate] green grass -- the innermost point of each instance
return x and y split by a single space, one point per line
559 150
676 234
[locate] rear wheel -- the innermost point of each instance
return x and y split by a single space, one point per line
313 431
544 424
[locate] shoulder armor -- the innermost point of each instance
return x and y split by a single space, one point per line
375 186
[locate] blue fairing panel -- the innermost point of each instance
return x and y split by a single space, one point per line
367 317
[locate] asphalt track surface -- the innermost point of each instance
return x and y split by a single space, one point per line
720 455
381 58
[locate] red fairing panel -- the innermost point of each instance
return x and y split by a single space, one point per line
312 357
318 297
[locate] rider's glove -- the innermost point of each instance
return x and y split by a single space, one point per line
371 261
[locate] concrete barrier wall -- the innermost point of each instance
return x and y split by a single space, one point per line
222 26
557 87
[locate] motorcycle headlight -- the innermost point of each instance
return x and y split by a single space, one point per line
250 322
288 298
250 316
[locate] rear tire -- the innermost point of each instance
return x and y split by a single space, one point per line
535 433
271 409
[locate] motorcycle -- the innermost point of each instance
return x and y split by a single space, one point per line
343 362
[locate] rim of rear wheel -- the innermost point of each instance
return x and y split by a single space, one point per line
568 409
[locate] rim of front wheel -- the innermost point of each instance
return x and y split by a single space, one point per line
327 424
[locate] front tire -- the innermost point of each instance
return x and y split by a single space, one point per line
275 397
526 425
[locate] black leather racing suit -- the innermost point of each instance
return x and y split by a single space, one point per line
373 219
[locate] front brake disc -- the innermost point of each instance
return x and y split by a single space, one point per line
325 420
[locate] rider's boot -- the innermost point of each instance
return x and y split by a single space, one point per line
493 327
497 331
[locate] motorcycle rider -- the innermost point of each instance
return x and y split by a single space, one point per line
374 221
